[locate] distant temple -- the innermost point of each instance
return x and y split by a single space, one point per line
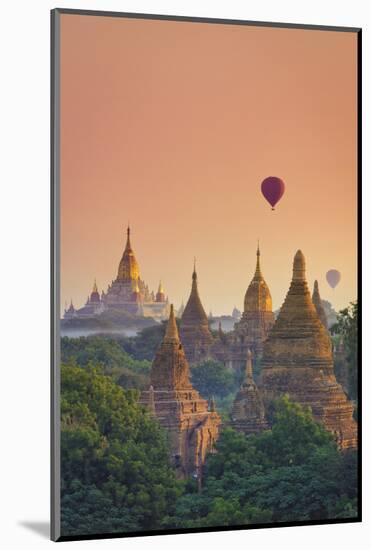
248 415
316 299
236 314
127 293
249 333
256 321
192 427
194 326
298 361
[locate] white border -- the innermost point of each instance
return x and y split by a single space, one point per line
24 219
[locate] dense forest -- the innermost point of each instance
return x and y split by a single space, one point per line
116 475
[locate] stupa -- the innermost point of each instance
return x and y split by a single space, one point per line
194 327
298 361
192 427
316 299
248 414
256 321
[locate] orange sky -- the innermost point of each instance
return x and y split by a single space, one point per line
174 125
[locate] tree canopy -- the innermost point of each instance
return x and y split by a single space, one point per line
114 458
106 352
212 378
292 472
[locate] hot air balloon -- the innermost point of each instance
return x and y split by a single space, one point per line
272 188
333 277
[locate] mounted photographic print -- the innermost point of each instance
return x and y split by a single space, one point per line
205 247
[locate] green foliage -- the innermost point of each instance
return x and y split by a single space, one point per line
347 327
107 353
212 378
144 345
116 475
115 468
292 472
294 435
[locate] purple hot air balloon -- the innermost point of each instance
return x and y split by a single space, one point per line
272 188
333 277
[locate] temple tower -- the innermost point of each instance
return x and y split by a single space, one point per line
316 299
128 270
248 415
180 409
194 327
160 295
95 296
256 321
298 361
69 313
130 294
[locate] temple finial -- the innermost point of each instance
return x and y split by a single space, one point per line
299 267
258 273
194 274
95 288
171 334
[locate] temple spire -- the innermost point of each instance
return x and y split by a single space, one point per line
299 267
128 267
316 299
128 244
257 297
171 334
258 273
95 288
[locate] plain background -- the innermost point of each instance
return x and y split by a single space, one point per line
24 257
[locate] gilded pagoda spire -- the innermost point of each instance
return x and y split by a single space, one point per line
258 274
128 267
258 296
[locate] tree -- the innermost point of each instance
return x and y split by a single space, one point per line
213 378
115 466
144 345
347 327
292 472
107 353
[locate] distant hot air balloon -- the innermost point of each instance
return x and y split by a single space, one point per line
272 188
333 277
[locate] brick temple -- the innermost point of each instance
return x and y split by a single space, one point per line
194 327
297 360
179 408
248 415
